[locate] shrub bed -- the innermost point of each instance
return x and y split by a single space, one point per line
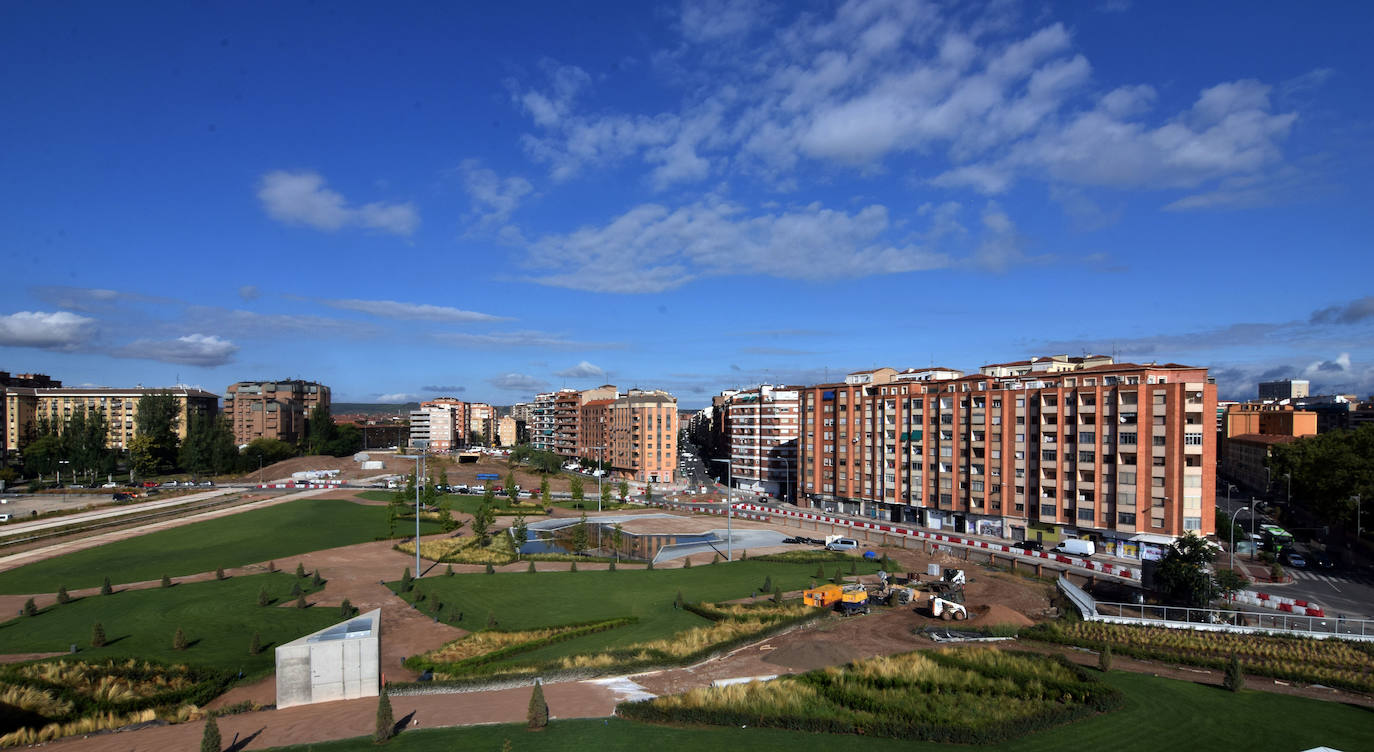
1336 663
80 696
805 557
967 696
469 654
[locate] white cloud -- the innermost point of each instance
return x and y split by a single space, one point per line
712 20
652 248
397 398
303 198
392 309
192 349
518 382
57 330
583 370
521 339
249 292
493 197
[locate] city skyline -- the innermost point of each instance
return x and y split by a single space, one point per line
410 202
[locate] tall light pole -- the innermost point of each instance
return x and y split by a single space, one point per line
60 463
1358 527
1288 496
1233 536
600 473
422 445
729 509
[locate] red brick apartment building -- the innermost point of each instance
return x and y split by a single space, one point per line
643 436
1044 449
272 409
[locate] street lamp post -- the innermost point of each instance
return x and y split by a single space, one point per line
600 473
419 476
1358 527
60 463
1233 536
729 509
1288 495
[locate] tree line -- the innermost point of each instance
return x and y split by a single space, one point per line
1328 471
79 444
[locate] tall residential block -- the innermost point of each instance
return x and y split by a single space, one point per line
764 424
1042 449
442 423
272 409
542 422
1283 389
643 436
26 408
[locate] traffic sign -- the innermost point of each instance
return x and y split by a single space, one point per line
488 476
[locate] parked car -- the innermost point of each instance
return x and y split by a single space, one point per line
842 544
122 496
1029 545
150 484
109 485
1294 559
207 483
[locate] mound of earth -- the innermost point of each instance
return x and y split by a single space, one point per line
999 614
812 654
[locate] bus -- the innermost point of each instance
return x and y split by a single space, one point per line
1276 538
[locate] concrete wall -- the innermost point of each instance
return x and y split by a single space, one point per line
324 670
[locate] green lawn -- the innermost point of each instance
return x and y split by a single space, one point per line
465 503
1159 714
520 600
218 618
277 532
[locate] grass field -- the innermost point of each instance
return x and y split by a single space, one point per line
218 618
522 601
277 532
466 503
1158 714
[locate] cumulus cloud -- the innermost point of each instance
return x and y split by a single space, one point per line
872 79
192 350
302 198
249 292
56 330
89 300
583 370
518 382
652 247
412 311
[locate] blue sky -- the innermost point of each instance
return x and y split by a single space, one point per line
404 200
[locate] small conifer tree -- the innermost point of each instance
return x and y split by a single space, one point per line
97 635
768 584
255 645
1104 659
687 563
271 566
853 567
777 595
1235 675
62 596
300 602
263 598
531 569
219 573
490 568
612 567
317 580
300 569
179 640
820 572
345 609
296 589
838 578
448 571
105 588
166 581
573 568
30 608
386 722
539 709
210 741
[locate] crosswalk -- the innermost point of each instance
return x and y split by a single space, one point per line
1304 574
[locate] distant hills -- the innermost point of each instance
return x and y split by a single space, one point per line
372 408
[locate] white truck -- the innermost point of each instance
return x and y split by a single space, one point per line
1075 547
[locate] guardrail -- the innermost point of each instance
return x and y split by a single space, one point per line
1216 619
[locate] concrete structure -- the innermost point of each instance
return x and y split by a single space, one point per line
28 407
443 422
341 662
1283 389
481 423
272 409
1245 459
643 436
1045 448
764 424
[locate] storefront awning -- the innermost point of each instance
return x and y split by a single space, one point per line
1161 540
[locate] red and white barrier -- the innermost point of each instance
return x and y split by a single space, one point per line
1116 570
1279 603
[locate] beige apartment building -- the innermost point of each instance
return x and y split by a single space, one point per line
27 407
541 425
442 422
763 426
1042 449
482 421
643 436
272 409
567 417
507 431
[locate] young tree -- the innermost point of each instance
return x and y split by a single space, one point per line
1228 582
386 722
446 520
1104 659
62 596
219 573
105 588
255 644
575 486
179 640
617 538
520 534
166 581
605 496
1235 675
580 536
346 609
263 599
544 491
538 715
777 595
1182 573
97 635
300 569
30 608
157 418
624 488
210 741
648 492
481 522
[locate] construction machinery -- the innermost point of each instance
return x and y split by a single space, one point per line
853 600
947 601
954 577
824 596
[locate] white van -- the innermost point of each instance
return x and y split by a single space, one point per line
842 544
1076 547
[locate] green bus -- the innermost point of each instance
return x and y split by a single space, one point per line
1276 538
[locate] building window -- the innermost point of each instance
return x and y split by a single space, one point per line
1125 518
1192 523
1192 439
1157 441
1126 437
1085 515
1087 437
1046 510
